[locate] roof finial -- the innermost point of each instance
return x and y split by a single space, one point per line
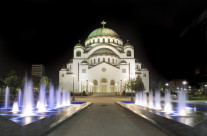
127 41
79 41
103 23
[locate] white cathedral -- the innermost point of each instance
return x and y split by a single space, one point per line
102 65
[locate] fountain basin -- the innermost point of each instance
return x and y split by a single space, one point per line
38 124
193 124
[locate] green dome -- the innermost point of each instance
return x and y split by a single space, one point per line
103 32
103 51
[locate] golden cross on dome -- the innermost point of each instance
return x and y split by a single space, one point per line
103 23
127 41
79 41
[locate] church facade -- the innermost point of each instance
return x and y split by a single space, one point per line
102 65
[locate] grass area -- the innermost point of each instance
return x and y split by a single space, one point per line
198 97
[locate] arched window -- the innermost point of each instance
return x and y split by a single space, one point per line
103 80
93 40
112 82
129 53
98 40
78 54
98 59
109 60
95 82
103 40
112 60
103 59
94 60
91 61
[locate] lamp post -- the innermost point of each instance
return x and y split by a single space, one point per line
87 87
73 89
184 85
167 85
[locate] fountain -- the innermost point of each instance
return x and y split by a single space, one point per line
20 97
51 97
15 107
6 98
181 102
157 100
28 98
168 105
137 98
42 99
52 110
144 97
58 98
151 105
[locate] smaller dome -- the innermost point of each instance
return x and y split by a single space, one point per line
70 61
63 67
123 62
103 51
79 44
84 62
128 44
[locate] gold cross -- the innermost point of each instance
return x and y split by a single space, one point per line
103 23
79 41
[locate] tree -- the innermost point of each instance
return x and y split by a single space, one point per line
2 83
127 85
12 81
137 84
161 85
46 81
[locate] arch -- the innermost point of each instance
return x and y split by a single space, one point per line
129 54
109 60
103 59
112 82
103 80
95 82
78 54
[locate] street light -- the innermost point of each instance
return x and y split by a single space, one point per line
167 85
73 88
184 85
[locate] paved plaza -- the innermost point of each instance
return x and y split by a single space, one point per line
105 118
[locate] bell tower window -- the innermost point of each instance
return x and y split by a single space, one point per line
78 54
129 53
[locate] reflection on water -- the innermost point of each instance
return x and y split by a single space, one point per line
190 119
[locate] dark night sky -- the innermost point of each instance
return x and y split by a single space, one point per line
44 31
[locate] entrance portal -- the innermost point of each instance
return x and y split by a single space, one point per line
112 88
104 85
95 86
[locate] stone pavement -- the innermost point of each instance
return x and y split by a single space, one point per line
105 118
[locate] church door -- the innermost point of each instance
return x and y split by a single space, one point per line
103 85
95 86
104 88
112 87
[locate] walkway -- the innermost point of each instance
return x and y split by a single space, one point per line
105 118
